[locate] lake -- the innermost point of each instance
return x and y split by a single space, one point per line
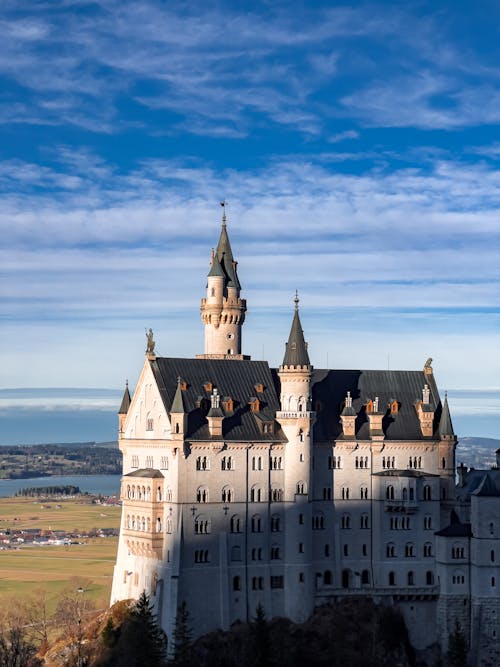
107 485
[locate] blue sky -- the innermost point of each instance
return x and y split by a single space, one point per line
358 148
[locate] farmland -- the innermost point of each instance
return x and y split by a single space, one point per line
26 566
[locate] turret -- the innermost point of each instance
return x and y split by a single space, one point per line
178 416
297 420
222 310
295 371
122 412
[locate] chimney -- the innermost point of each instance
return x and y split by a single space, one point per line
462 472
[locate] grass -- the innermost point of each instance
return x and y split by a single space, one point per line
17 514
53 568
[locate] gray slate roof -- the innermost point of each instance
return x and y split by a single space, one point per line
330 388
225 257
145 472
445 425
475 484
234 378
125 404
237 379
455 528
296 349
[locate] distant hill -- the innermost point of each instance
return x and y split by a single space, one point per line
477 452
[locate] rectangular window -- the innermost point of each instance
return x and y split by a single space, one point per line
135 461
164 463
277 582
301 547
149 462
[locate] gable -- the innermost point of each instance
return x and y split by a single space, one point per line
146 417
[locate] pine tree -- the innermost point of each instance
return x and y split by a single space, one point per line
261 640
457 647
182 637
140 640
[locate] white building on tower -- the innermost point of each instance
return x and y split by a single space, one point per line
244 484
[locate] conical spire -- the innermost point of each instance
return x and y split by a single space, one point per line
296 349
445 425
216 268
125 404
225 254
178 402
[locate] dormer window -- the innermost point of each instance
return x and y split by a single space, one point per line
254 403
267 427
228 404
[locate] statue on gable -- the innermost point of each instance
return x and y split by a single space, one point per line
150 346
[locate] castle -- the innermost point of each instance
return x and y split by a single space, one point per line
245 485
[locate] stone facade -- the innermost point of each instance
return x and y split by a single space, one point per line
246 485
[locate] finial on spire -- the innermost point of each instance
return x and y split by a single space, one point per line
296 300
126 382
223 204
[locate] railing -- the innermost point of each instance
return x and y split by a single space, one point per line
408 506
295 415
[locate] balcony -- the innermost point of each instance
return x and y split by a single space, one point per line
404 506
295 415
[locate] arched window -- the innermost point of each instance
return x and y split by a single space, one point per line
391 550
427 550
301 488
409 550
443 463
365 578
235 524
429 578
411 578
363 492
275 523
158 525
255 494
345 493
389 492
169 493
492 528
202 463
236 583
405 494
236 553
301 435
392 579
346 578
275 552
327 578
346 521
412 493
202 494
227 495
256 524
202 525
364 521
427 492
276 495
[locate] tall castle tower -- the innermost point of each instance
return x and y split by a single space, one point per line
296 420
222 310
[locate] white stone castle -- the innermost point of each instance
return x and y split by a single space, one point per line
289 487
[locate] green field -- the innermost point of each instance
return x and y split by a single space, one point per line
17 513
27 568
